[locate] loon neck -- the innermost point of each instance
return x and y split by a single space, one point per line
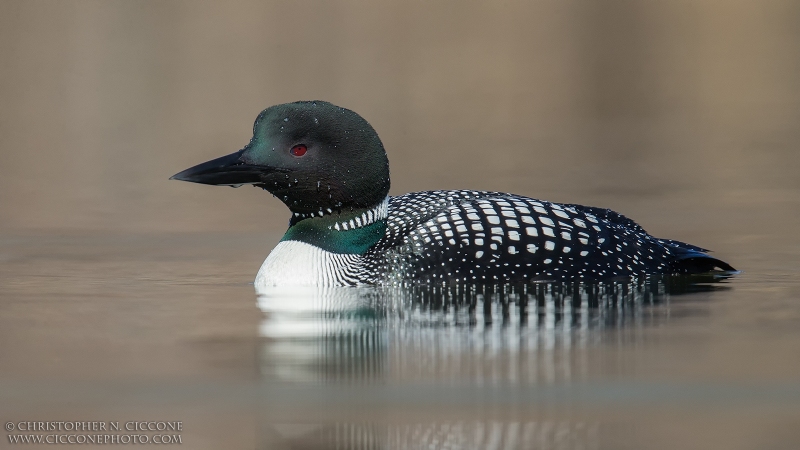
352 231
345 219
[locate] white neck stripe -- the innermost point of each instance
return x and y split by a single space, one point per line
379 212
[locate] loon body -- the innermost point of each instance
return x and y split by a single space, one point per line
329 167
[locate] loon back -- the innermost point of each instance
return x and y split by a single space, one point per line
475 236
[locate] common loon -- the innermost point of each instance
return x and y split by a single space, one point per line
327 164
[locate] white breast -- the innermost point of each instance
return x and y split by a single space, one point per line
293 263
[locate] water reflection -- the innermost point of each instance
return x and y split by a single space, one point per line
483 335
384 346
461 435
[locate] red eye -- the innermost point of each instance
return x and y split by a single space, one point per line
299 150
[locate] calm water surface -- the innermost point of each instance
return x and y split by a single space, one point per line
168 326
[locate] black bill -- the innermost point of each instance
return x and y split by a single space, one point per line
228 170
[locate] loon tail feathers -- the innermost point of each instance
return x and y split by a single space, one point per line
694 260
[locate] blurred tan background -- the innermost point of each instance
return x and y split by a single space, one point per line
658 108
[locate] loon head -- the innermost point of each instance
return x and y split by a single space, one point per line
314 156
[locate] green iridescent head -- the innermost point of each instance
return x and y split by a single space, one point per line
313 155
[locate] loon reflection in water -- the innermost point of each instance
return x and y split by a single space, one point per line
446 435
373 333
488 342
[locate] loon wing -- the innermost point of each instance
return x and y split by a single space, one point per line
688 258
491 236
